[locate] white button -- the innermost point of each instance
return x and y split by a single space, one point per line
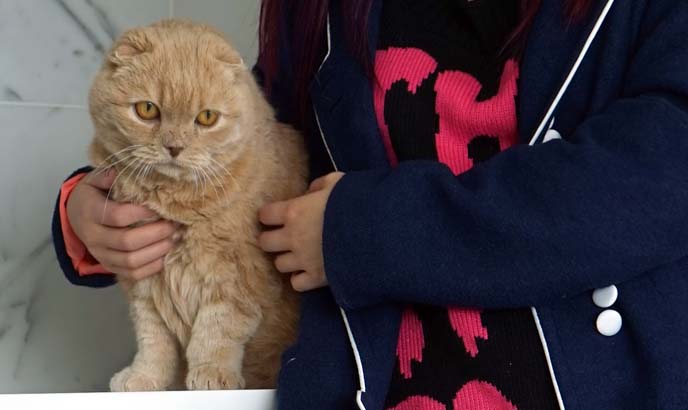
609 323
551 135
605 297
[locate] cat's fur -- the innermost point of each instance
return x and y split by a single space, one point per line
219 315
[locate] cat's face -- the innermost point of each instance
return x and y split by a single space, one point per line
170 100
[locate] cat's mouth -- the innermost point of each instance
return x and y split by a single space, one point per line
172 168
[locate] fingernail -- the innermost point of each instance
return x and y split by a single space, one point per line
177 236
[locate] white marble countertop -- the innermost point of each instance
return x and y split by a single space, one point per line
196 400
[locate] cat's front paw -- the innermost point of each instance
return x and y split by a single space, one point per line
129 380
214 378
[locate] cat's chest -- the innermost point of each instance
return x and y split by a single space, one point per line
169 202
203 259
183 277
181 292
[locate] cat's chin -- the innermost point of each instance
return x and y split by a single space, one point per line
173 171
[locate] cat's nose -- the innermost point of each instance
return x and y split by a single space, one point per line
173 150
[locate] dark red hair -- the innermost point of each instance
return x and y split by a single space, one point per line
306 20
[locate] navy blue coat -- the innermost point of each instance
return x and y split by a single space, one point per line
537 226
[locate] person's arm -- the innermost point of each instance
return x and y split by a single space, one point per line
77 264
94 235
534 224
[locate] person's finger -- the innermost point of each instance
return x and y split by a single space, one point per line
274 241
134 239
137 259
119 215
101 180
324 181
143 272
287 263
303 282
273 214
318 184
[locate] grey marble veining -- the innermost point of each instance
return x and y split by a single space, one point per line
238 19
50 49
54 337
78 21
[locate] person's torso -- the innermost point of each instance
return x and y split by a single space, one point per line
445 90
636 369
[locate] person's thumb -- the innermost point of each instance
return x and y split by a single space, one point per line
101 180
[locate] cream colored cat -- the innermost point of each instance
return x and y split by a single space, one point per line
180 118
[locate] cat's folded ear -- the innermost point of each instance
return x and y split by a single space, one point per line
221 48
132 43
230 56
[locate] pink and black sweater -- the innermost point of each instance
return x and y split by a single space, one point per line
444 93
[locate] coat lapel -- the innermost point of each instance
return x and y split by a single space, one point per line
553 46
343 100
342 95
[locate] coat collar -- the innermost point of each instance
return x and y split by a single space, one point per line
343 99
342 95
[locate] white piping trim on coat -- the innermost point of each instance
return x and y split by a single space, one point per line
549 120
545 347
329 43
359 362
350 334
317 117
574 70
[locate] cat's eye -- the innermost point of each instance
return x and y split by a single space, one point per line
146 110
207 118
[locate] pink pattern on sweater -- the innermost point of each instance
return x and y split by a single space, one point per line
474 395
392 65
419 403
462 118
478 395
411 342
457 92
468 326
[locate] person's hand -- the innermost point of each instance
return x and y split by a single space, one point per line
298 237
132 252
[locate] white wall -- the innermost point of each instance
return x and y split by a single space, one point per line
55 337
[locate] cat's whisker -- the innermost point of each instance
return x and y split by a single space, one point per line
123 150
141 172
112 165
107 197
146 172
195 180
139 163
219 180
193 177
150 169
226 171
217 194
100 168
218 164
202 178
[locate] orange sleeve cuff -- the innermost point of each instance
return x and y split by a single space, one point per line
84 263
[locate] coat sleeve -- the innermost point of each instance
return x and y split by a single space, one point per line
65 261
534 224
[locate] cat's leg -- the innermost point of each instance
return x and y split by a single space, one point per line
157 363
226 321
